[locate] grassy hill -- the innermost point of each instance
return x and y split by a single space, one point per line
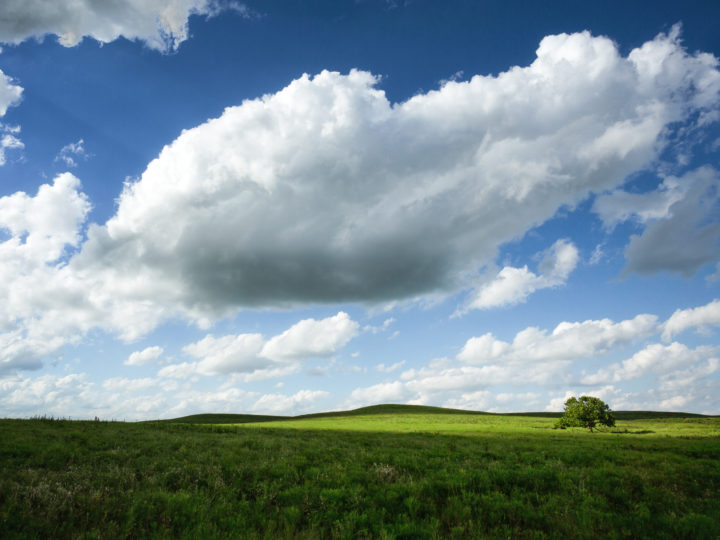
387 409
215 418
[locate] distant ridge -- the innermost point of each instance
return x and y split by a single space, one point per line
407 409
224 419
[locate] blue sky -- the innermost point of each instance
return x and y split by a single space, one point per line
290 207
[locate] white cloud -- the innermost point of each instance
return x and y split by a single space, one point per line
184 370
41 227
514 285
311 338
71 152
9 141
484 400
250 357
389 369
382 328
10 94
227 354
674 403
534 358
161 24
146 356
44 395
653 359
294 404
568 341
392 201
116 384
685 380
41 305
394 392
699 317
613 396
121 398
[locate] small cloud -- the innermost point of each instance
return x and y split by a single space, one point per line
311 338
70 153
598 254
9 141
146 356
513 285
389 369
382 328
700 318
458 75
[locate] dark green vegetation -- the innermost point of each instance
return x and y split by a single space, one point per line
404 410
390 474
586 411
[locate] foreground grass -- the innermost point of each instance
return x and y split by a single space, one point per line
369 476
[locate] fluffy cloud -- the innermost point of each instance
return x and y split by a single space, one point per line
514 285
254 357
161 24
8 141
568 341
41 302
688 237
699 317
227 354
10 93
311 338
43 395
146 356
74 396
391 201
654 358
534 357
41 227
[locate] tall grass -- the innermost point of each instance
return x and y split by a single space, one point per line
356 479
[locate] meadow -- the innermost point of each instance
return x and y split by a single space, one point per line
382 472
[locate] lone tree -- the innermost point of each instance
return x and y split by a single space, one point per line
587 411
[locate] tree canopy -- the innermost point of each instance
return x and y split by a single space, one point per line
586 411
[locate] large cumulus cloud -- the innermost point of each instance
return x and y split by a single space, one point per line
327 192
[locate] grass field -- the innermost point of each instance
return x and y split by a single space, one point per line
384 472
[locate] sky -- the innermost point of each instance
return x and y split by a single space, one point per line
288 207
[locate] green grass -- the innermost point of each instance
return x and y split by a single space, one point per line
378 473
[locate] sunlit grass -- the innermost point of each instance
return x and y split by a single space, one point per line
473 424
